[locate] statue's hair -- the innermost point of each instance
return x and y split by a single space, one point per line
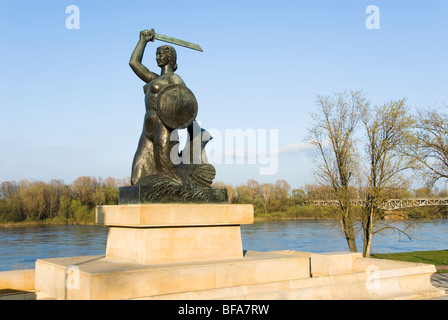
172 54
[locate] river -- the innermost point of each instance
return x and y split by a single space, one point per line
20 247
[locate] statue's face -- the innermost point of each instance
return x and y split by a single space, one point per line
162 58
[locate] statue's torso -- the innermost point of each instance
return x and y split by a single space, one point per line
151 90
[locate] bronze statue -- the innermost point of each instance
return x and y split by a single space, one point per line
170 105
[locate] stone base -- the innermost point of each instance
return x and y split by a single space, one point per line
170 245
258 275
170 233
174 194
174 215
97 277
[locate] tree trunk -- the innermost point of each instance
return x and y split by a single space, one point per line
368 222
349 230
368 235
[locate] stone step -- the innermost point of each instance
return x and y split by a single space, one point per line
97 277
13 294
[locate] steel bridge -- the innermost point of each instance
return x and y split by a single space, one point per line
391 204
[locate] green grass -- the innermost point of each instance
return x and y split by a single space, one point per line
437 257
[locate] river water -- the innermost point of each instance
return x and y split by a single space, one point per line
20 247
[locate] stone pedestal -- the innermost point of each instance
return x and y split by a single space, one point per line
169 233
156 250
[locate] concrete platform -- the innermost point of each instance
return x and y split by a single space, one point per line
171 233
259 275
97 277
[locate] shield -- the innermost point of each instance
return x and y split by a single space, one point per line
176 106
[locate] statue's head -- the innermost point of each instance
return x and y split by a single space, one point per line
166 54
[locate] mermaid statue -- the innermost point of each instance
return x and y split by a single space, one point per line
160 172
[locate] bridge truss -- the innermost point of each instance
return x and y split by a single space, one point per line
391 204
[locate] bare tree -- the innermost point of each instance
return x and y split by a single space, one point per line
266 191
319 192
84 189
430 147
388 129
32 198
333 134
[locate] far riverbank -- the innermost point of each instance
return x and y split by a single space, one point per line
40 223
322 214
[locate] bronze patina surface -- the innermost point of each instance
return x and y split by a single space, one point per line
176 106
160 171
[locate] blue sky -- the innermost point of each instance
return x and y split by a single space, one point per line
70 105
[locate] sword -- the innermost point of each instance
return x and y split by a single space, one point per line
182 43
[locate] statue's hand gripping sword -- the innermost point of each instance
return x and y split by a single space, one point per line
152 35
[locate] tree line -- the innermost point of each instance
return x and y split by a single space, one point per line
55 201
75 203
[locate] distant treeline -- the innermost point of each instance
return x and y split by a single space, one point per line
75 203
279 201
56 202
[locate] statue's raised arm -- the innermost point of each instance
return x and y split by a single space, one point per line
136 58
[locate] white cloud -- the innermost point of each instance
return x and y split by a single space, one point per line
296 148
